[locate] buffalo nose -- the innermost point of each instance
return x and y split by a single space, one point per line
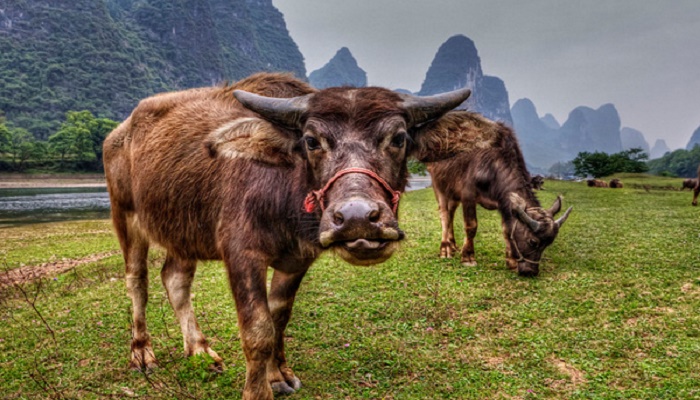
356 212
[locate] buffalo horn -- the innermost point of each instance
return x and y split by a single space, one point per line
424 109
283 111
563 218
527 220
556 207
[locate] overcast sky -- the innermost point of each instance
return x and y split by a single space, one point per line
643 56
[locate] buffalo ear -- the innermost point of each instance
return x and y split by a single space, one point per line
253 139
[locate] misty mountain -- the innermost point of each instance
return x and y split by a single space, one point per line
106 55
457 65
540 143
632 138
550 121
660 148
592 130
694 140
341 70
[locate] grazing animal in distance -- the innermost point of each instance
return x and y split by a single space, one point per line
689 183
696 189
491 172
616 183
596 183
537 182
267 172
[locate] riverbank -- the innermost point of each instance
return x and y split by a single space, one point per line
23 181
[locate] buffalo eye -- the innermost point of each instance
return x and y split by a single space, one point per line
399 140
533 242
312 143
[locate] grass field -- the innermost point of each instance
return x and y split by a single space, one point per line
614 314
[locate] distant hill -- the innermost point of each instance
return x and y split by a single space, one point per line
632 138
105 55
660 148
457 65
591 130
694 140
341 70
550 121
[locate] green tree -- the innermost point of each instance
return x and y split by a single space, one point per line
4 136
21 147
80 138
99 129
599 164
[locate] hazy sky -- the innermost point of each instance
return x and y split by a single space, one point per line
643 56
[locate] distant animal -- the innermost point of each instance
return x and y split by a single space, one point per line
493 174
537 182
689 183
696 189
267 172
596 183
616 183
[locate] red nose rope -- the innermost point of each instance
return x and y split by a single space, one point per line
316 196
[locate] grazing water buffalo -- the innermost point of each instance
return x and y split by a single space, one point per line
696 189
689 183
537 182
490 170
616 183
596 183
265 172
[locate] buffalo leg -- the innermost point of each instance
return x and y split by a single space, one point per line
247 277
177 278
281 300
696 191
511 261
470 226
448 246
135 250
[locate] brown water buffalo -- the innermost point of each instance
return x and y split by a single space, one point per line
616 184
596 183
537 182
696 189
689 183
267 172
491 171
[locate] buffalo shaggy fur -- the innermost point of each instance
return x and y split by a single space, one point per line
489 170
689 183
222 173
616 184
596 183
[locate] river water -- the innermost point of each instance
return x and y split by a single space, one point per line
35 205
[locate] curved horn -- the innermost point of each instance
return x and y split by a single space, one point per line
283 111
556 207
424 109
527 220
563 218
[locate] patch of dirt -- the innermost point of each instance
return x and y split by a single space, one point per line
30 273
576 376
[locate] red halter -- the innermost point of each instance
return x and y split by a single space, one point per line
316 196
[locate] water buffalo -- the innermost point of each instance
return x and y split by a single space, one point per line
537 182
264 172
689 183
696 189
616 184
596 183
490 170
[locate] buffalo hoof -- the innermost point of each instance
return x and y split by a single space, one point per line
282 388
469 263
143 359
447 249
695 203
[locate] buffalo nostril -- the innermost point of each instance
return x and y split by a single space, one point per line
374 215
338 218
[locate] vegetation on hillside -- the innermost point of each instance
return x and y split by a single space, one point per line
681 162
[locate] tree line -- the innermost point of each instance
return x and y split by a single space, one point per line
75 146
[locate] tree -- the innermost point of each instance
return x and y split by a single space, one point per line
80 137
599 164
99 129
21 147
4 136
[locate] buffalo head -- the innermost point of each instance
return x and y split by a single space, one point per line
352 145
531 231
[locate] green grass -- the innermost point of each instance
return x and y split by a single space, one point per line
613 314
